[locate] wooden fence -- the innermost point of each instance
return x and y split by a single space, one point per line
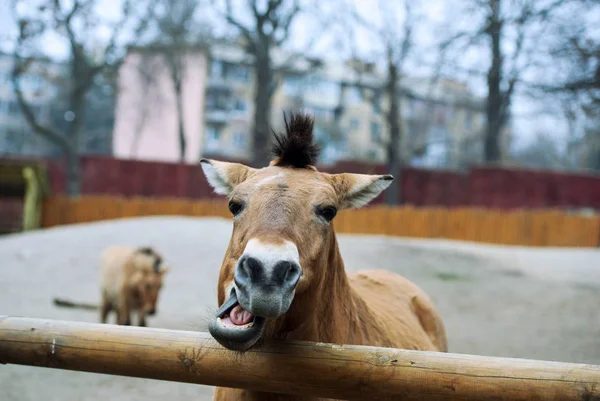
524 227
291 367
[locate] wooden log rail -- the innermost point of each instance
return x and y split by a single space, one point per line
325 370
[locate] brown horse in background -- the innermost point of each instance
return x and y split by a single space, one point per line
130 280
283 276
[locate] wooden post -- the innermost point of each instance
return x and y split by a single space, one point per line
31 220
325 370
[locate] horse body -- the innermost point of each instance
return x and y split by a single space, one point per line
283 277
367 307
130 281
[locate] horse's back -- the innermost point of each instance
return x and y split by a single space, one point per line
112 265
407 313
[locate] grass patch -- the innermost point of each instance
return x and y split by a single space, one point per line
448 276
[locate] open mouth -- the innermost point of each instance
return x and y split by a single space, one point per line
234 327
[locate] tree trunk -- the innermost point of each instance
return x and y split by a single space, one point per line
495 98
73 173
181 128
593 144
77 107
261 137
175 64
394 156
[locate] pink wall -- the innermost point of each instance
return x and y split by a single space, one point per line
146 114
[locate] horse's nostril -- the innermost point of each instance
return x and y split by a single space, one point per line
287 272
249 269
253 266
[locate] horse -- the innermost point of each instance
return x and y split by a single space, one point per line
131 280
283 277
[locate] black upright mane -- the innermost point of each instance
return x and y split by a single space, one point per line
296 148
150 252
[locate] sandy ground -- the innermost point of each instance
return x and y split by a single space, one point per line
499 301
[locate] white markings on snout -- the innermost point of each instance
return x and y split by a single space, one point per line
271 254
53 345
270 178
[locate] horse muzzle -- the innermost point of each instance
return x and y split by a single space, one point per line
266 290
265 283
234 327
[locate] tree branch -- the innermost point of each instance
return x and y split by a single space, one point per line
407 37
287 22
47 132
241 27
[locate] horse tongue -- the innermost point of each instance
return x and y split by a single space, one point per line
239 316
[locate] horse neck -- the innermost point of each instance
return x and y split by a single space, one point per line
331 312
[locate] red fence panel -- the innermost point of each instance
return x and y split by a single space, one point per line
483 186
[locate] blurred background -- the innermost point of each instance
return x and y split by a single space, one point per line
422 84
487 112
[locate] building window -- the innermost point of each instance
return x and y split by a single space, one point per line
292 85
354 95
213 136
376 101
468 119
320 113
239 140
237 72
239 105
375 131
326 90
354 124
216 69
372 155
217 100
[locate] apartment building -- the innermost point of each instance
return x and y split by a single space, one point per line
442 121
332 92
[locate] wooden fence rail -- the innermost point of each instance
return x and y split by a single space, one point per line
524 227
309 369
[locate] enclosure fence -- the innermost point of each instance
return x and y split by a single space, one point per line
302 368
522 227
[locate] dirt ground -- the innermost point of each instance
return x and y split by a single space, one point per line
498 301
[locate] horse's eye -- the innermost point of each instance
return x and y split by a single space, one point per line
327 212
235 207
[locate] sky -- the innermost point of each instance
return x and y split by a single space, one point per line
527 121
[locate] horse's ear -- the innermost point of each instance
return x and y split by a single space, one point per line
224 176
357 190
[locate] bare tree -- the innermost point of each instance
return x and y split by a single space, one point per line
177 34
578 90
395 38
85 63
543 152
508 30
269 29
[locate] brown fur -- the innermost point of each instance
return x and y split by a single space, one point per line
371 307
130 283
